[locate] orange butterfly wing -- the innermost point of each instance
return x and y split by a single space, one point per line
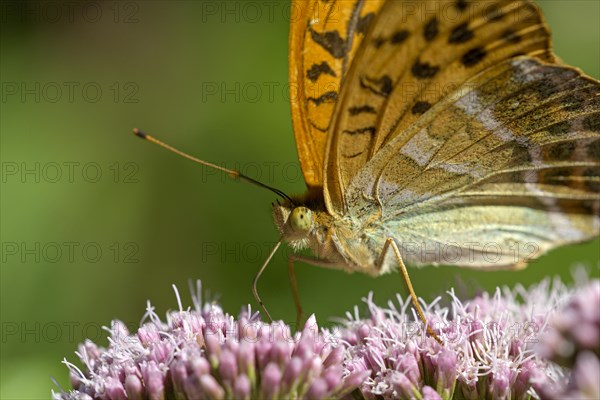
324 37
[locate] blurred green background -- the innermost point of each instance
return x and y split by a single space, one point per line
95 221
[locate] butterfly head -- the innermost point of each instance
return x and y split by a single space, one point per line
294 222
301 220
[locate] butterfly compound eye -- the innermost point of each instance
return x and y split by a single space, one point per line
301 219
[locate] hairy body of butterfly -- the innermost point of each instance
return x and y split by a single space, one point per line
446 131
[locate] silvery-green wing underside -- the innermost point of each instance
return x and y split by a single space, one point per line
498 172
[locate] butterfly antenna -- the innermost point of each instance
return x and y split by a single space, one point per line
231 172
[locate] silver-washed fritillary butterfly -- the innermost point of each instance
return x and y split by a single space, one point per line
438 132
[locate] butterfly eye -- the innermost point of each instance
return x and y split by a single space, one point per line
301 219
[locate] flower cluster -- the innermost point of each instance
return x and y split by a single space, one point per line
487 352
514 344
573 341
204 353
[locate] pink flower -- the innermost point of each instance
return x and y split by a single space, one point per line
206 353
489 351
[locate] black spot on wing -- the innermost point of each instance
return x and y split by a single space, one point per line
593 150
556 175
592 182
420 107
431 29
553 175
364 22
317 69
559 129
327 97
511 36
331 41
545 88
399 36
590 206
461 5
592 123
317 127
379 41
561 151
353 155
381 86
364 109
473 57
461 34
424 70
593 185
368 129
520 153
578 100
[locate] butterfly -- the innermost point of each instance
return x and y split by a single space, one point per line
435 132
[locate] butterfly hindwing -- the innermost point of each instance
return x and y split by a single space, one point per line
511 158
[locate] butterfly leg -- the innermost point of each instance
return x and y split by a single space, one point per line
295 294
391 243
292 258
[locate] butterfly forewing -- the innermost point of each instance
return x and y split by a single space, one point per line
324 37
415 55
